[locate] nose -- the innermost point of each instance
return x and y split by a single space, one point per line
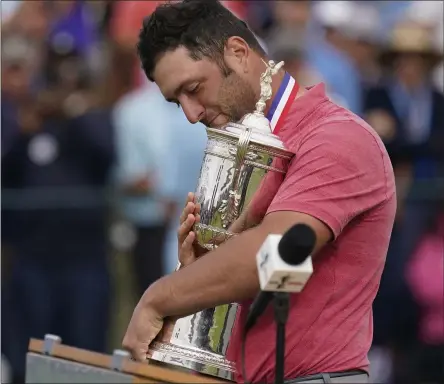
193 110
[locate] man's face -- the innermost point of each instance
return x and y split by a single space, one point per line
16 79
411 69
206 92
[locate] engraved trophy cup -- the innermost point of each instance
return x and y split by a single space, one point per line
237 158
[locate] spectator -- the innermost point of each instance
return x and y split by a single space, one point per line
21 58
287 44
60 156
292 14
425 276
329 52
126 21
431 13
29 18
406 111
187 143
364 36
141 145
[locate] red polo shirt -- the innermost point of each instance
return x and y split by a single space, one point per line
342 175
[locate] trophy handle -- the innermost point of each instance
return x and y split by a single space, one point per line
230 207
242 147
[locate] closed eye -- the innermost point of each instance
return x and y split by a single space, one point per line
174 102
194 89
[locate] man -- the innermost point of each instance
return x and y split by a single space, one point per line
340 184
144 202
57 158
328 51
289 45
149 177
406 111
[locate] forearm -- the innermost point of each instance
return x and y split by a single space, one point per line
227 274
141 187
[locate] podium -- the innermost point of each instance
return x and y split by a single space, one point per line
49 361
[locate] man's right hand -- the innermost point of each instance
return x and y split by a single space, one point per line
189 249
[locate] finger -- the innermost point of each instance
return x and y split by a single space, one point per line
197 208
127 346
197 218
189 208
190 239
186 254
190 198
140 355
185 227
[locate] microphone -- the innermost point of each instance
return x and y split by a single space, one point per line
284 265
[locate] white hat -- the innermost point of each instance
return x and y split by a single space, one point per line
357 21
333 14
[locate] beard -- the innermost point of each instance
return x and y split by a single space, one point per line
236 96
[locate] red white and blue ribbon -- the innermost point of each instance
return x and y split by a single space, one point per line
282 102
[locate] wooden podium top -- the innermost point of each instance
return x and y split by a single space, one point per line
142 373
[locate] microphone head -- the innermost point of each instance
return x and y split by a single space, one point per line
297 244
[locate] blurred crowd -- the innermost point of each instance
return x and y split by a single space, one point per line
96 165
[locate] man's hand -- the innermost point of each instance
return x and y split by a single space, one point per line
144 326
383 123
139 187
189 249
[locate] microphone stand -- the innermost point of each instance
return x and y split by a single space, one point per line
281 307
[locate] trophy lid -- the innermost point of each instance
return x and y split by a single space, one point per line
259 124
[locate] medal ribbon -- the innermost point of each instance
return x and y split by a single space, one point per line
282 102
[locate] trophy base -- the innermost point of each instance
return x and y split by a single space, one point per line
193 359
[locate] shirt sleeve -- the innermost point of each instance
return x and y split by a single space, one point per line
339 172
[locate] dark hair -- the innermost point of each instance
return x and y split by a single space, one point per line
201 26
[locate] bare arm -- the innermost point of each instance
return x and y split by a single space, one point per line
227 274
140 187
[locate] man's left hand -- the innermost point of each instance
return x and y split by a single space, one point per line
144 326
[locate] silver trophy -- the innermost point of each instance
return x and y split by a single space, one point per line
237 158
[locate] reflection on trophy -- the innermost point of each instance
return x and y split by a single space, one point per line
237 158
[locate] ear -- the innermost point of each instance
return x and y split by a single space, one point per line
237 54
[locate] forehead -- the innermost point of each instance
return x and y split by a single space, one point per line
176 69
